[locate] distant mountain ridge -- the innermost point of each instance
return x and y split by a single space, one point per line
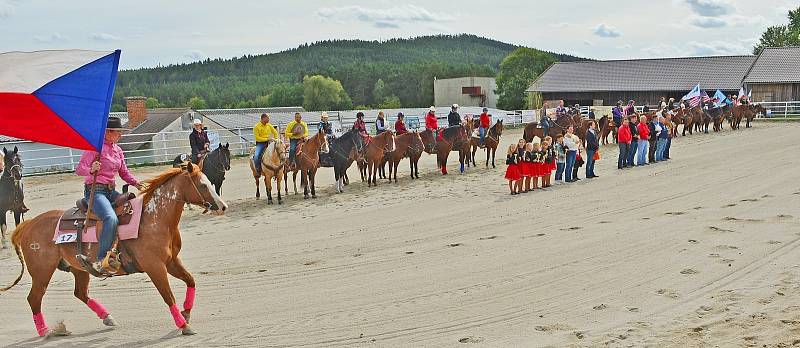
406 66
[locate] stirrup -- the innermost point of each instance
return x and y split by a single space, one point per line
111 263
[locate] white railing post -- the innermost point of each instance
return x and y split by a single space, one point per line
785 109
241 141
71 159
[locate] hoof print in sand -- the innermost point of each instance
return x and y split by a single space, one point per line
453 245
674 213
719 229
551 327
487 238
471 339
668 293
573 228
600 307
689 271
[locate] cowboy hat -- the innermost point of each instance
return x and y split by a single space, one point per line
197 122
324 115
115 123
432 108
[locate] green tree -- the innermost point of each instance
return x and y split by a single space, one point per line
324 93
379 92
153 103
286 94
518 70
197 103
390 102
781 35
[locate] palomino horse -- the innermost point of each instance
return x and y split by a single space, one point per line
307 163
11 196
273 165
155 251
377 147
453 139
215 164
406 145
490 143
344 150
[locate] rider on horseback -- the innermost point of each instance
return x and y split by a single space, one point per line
105 166
453 118
198 140
263 133
297 132
484 124
361 126
400 125
325 127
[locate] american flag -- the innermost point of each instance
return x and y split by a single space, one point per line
702 98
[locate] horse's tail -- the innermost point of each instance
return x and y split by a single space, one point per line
16 239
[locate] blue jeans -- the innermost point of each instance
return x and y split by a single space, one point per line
660 146
590 163
559 170
260 147
666 149
293 148
570 163
641 152
623 154
632 153
482 133
103 209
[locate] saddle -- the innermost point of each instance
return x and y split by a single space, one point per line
76 215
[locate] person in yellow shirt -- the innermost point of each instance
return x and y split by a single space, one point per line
263 132
296 131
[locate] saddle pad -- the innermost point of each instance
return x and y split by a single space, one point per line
129 231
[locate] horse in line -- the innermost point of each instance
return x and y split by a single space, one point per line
307 163
408 145
380 145
453 138
273 165
490 142
344 150
11 192
155 251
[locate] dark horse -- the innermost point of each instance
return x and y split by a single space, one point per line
559 127
11 197
453 139
215 164
343 151
490 143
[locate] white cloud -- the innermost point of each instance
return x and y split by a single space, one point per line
104 37
606 31
707 22
382 18
195 55
710 8
588 43
715 48
50 38
6 9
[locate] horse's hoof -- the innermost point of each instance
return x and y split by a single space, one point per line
59 330
186 315
314 196
280 202
187 330
269 202
109 321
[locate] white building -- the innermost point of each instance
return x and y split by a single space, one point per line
465 91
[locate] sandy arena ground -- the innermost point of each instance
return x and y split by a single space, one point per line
700 251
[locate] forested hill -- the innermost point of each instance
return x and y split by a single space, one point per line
406 67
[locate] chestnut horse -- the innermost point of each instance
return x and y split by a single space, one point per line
273 165
307 163
560 127
490 143
406 145
155 251
374 154
453 139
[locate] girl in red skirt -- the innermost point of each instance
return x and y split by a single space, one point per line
512 172
527 167
537 164
549 161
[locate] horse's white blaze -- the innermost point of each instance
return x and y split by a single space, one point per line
217 200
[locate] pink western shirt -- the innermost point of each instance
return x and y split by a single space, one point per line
112 161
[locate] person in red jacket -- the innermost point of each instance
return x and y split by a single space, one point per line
624 139
431 123
400 124
483 127
644 136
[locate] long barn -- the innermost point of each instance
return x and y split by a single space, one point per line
774 75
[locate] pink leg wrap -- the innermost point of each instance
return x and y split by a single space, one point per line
41 327
189 302
97 308
180 322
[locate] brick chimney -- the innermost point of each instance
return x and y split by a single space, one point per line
137 110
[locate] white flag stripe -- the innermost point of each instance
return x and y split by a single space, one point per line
25 72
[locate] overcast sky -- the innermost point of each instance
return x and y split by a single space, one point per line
162 32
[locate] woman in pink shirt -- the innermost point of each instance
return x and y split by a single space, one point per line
107 165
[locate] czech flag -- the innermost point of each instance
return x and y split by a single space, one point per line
57 97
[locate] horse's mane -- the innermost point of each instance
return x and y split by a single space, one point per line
154 183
